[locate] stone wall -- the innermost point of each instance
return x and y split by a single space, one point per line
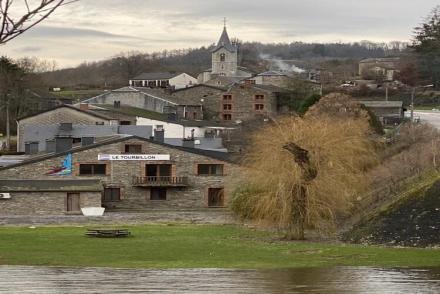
44 203
244 101
210 96
121 173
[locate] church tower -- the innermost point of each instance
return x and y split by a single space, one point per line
225 57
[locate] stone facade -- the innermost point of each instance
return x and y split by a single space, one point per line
45 203
120 174
246 102
64 114
209 94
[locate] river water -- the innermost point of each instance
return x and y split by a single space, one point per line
49 280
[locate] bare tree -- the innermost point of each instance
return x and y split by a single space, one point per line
13 24
304 172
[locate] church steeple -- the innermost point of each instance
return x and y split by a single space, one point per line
224 56
225 42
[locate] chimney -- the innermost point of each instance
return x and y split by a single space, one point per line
188 143
84 106
87 141
63 143
50 146
159 135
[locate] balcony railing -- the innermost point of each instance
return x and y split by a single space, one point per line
160 181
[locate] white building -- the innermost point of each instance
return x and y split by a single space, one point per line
163 80
184 129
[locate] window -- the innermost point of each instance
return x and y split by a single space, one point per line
125 122
133 149
92 169
227 97
111 194
76 140
227 116
210 169
158 194
158 170
222 57
99 123
259 106
73 202
259 97
227 106
216 197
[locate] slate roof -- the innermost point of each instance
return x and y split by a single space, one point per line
223 156
272 73
382 104
156 76
50 186
68 106
379 60
139 112
224 42
270 88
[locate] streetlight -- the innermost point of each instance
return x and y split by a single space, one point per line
413 94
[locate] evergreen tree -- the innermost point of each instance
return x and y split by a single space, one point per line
426 45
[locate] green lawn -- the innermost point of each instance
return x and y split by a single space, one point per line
192 246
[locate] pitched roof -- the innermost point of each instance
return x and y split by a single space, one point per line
383 104
156 76
272 73
225 42
223 156
200 85
379 60
70 107
50 185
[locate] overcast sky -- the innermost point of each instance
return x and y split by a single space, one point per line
91 30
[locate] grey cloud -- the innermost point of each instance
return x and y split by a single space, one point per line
27 49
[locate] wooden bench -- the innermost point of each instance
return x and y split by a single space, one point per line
107 233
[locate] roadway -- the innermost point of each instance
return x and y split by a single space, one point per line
429 116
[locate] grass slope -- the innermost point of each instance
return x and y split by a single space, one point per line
192 246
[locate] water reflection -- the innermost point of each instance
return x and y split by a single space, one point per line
314 280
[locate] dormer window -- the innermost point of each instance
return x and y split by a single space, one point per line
222 57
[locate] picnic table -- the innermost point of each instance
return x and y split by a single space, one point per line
107 233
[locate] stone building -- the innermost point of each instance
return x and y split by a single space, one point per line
244 102
129 173
224 61
374 67
388 112
60 114
273 78
157 100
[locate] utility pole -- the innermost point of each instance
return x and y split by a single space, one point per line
8 127
413 93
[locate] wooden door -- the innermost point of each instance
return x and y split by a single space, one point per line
73 202
216 197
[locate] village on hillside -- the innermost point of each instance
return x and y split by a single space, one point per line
193 129
246 156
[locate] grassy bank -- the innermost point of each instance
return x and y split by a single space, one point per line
192 246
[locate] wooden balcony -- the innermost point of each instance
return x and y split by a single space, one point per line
160 181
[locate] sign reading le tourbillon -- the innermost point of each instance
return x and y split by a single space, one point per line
133 157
